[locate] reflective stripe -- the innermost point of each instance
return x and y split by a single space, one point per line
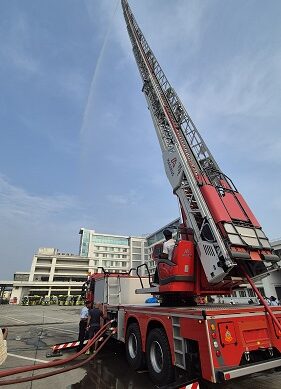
194 385
67 345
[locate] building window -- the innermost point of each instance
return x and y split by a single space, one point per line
21 277
136 257
110 240
261 290
242 293
251 293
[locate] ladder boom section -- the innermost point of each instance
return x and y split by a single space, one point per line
224 227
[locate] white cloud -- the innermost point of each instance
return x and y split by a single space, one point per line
16 203
132 198
31 221
241 86
15 50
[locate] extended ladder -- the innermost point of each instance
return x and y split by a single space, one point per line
225 229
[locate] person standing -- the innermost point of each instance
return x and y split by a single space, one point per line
83 324
93 322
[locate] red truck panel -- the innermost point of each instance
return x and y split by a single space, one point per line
227 207
247 210
234 209
179 274
215 204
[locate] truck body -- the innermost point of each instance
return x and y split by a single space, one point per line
214 342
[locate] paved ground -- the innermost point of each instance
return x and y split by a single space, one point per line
33 330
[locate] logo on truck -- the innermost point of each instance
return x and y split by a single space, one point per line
228 337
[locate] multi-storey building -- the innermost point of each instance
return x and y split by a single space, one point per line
51 273
272 283
56 273
116 253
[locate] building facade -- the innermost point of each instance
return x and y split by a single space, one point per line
51 273
272 283
116 253
54 273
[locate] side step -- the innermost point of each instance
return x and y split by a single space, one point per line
154 289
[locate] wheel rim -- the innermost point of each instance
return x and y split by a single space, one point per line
156 357
133 346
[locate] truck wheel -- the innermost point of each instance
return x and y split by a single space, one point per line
134 353
158 356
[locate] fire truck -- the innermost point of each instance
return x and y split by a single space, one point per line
220 245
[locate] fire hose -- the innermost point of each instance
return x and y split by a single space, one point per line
56 363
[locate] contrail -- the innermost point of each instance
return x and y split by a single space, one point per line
96 71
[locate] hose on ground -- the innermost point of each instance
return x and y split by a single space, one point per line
64 370
18 370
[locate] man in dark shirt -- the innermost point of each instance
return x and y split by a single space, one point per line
93 323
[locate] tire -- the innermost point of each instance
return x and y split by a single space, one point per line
158 357
133 344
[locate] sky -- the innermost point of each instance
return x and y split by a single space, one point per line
78 147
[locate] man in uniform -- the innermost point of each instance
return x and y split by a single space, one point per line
94 322
83 324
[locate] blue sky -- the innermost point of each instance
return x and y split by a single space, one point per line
78 148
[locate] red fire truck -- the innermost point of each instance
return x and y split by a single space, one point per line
214 342
220 245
